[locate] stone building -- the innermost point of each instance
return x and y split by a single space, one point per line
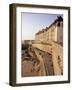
52 33
50 40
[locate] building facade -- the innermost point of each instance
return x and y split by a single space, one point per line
52 33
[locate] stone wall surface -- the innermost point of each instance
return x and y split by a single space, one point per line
56 50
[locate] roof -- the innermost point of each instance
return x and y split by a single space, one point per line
59 19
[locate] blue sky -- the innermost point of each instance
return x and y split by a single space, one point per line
33 22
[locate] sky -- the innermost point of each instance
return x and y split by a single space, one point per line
34 22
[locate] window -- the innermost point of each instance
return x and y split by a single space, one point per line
58 24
